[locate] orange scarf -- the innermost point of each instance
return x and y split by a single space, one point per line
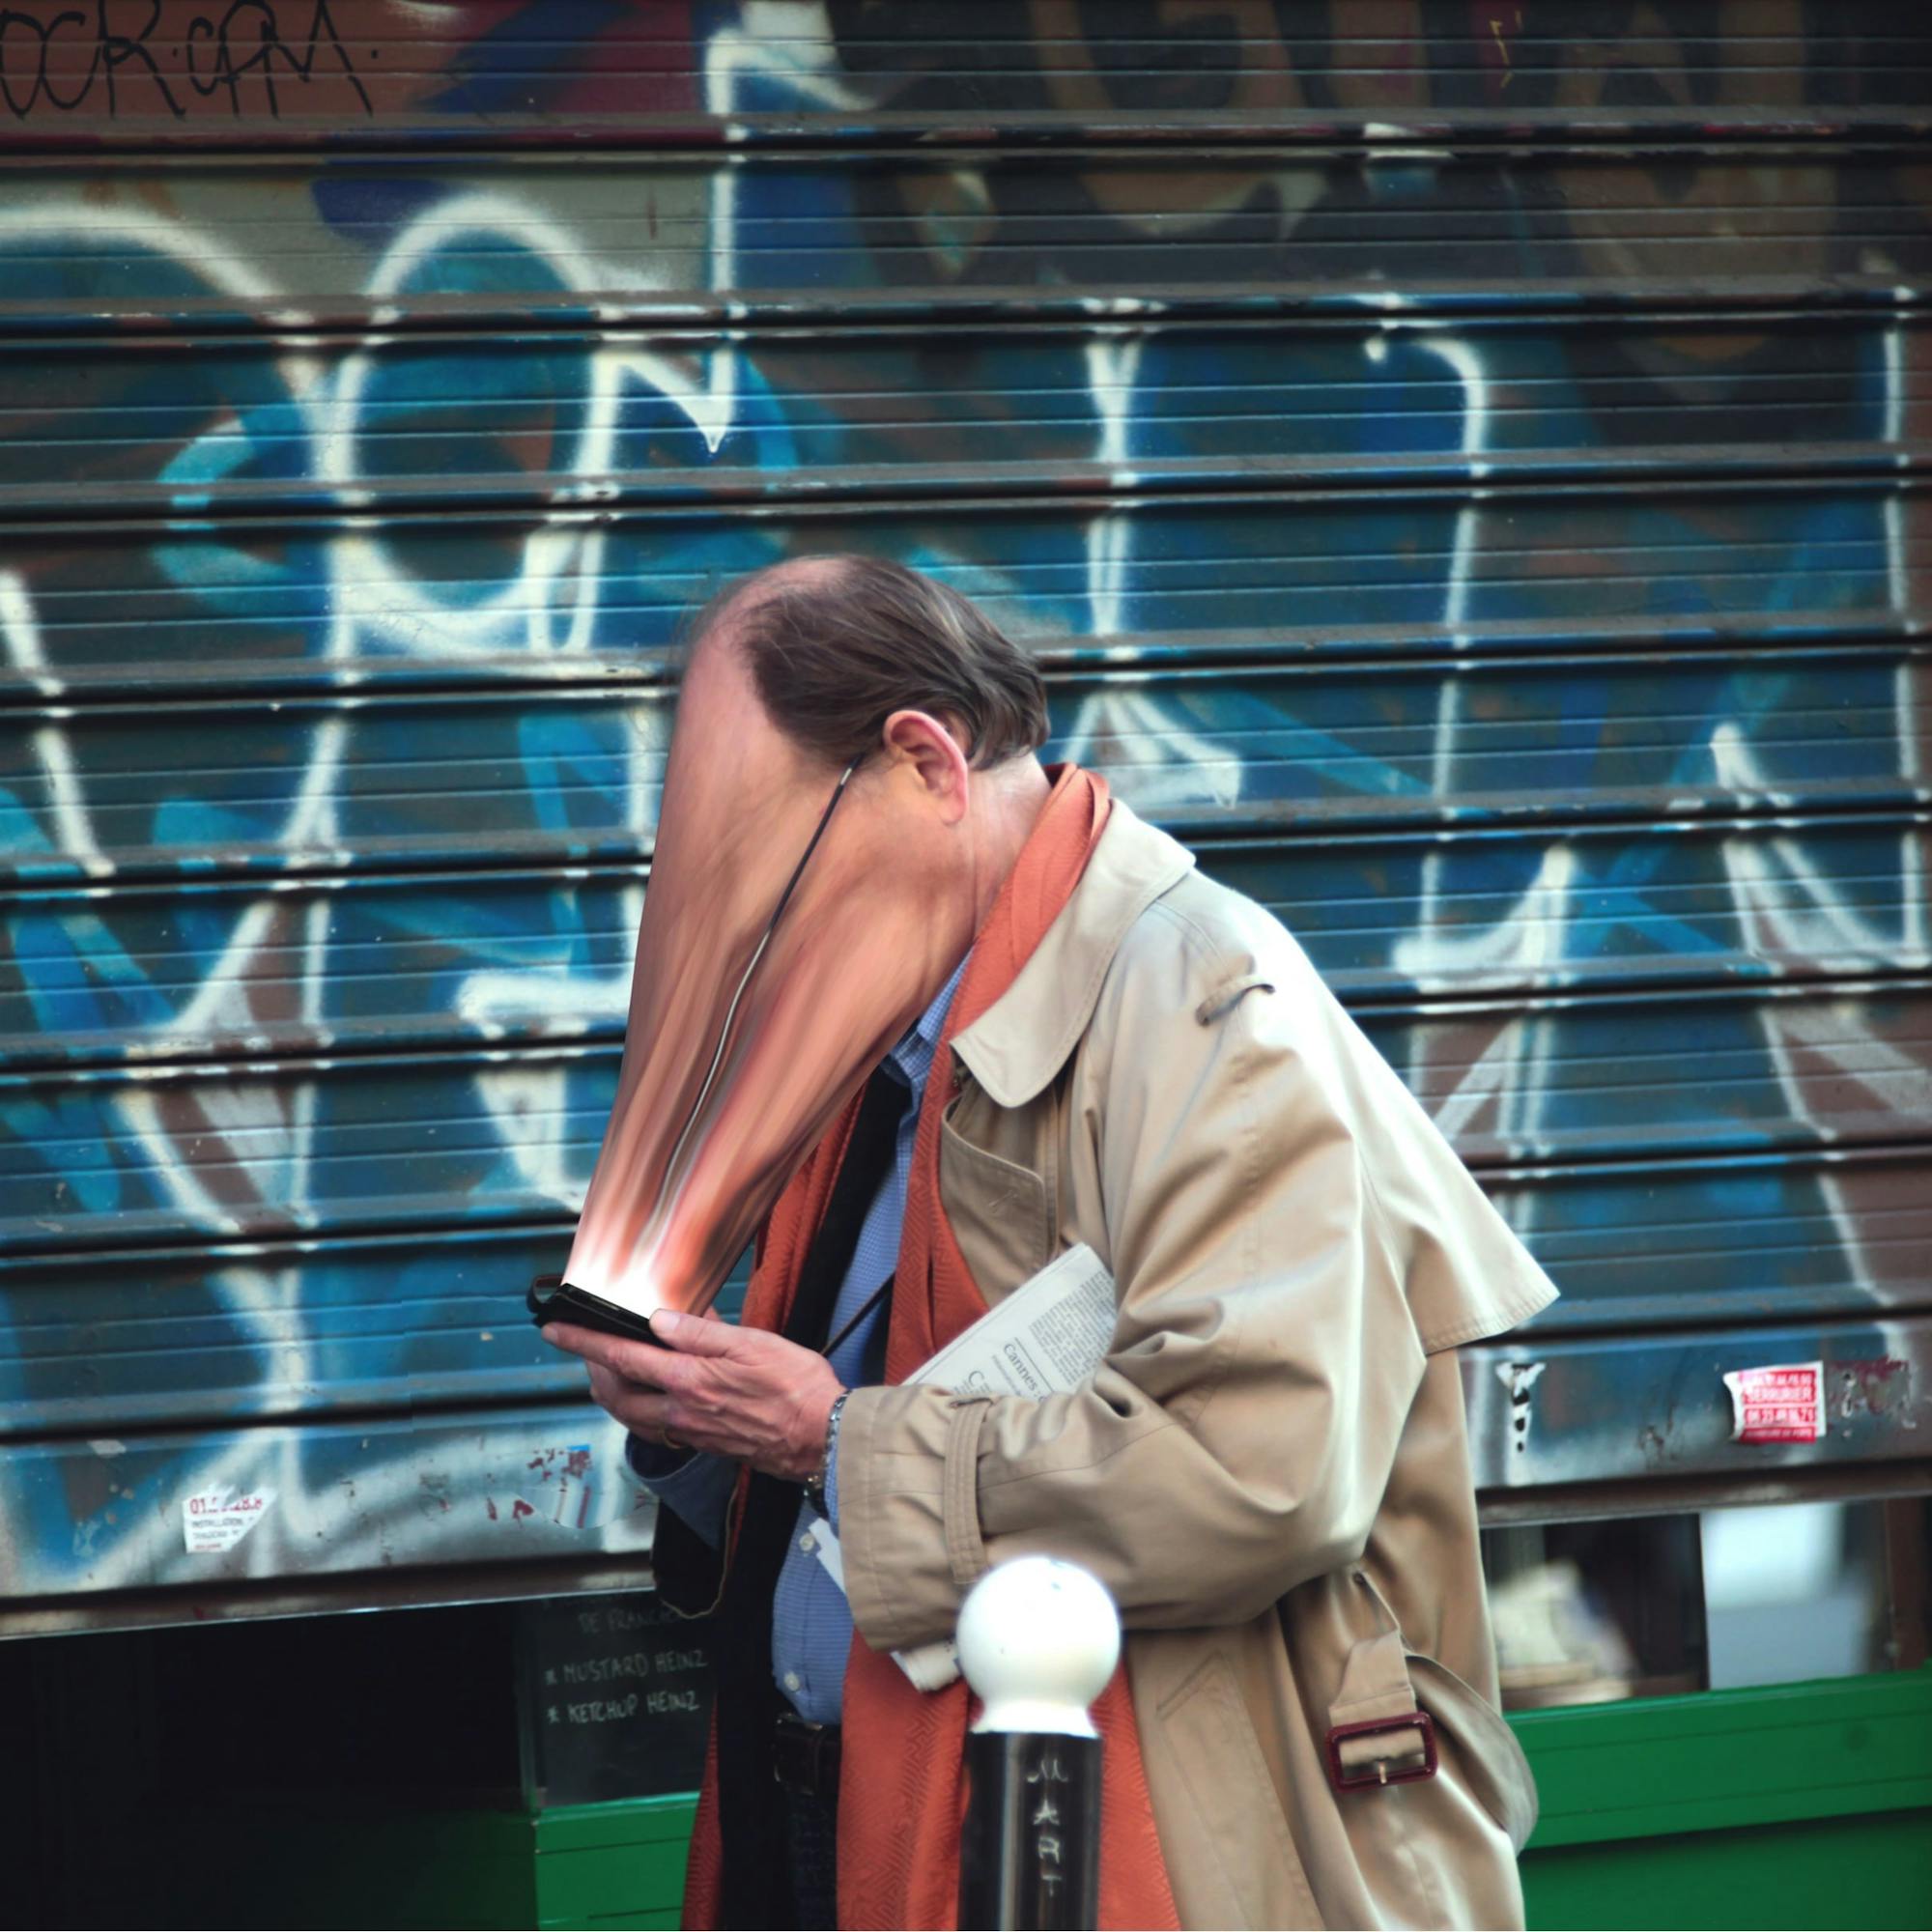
902 1783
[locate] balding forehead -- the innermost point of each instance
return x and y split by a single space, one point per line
724 724
798 573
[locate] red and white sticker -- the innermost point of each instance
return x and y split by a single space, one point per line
214 1520
1777 1404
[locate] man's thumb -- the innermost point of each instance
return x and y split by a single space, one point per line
690 1334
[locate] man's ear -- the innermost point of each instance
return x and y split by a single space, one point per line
934 751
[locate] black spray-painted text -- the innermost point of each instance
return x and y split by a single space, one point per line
147 57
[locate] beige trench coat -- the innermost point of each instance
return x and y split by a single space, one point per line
1270 1471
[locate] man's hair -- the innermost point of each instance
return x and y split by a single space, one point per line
835 650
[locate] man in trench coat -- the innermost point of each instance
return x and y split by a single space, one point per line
1270 1471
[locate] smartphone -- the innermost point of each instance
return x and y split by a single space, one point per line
552 1298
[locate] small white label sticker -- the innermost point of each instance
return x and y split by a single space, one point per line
1784 1403
217 1520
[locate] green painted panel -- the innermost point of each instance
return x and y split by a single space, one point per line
589 1887
1730 1758
1871 1872
576 1827
614 1865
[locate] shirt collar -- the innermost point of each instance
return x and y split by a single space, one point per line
913 1055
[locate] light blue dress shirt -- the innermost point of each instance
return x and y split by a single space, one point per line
812 1622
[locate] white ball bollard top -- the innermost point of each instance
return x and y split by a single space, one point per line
1039 1640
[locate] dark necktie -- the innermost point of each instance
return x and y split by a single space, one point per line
867 1162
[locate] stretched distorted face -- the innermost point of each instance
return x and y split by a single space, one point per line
719 1102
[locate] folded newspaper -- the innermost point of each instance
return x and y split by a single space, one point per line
1046 1338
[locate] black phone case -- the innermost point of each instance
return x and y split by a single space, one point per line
552 1298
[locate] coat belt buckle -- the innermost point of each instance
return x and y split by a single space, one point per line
1377 1770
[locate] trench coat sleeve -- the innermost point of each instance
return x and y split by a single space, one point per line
1239 1437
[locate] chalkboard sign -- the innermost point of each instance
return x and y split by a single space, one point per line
616 1697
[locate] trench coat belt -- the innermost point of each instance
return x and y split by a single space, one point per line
1376 1733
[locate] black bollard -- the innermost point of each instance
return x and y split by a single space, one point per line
1038 1641
1030 1855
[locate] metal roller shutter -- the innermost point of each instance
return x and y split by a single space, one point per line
1461 466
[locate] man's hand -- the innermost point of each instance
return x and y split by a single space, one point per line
738 1392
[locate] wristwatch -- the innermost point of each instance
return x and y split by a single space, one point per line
814 1486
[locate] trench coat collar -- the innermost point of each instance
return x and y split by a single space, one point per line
1016 1047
